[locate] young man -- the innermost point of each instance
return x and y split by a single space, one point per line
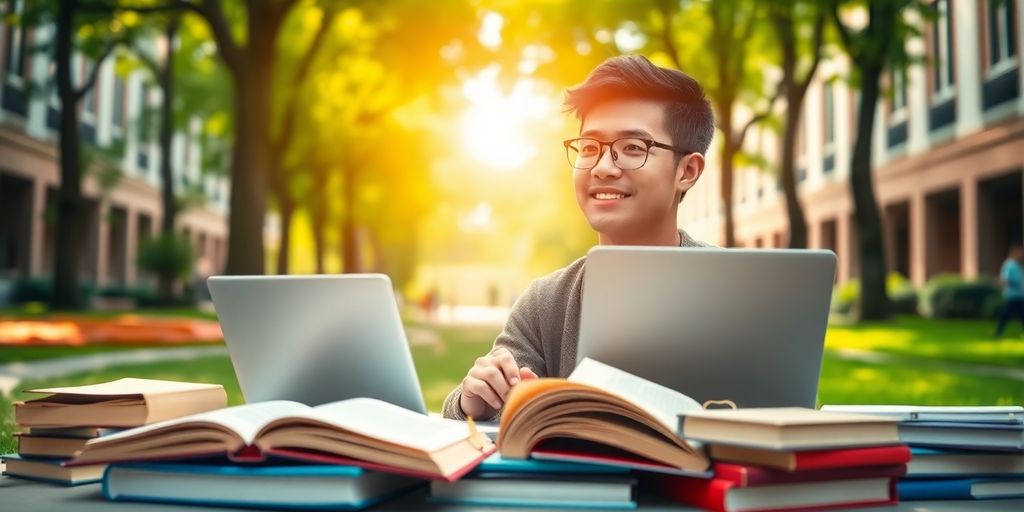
643 135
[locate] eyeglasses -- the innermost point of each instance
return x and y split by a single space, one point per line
628 153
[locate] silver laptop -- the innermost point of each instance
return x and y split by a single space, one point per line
714 324
316 339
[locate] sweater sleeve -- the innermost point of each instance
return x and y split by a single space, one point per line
521 336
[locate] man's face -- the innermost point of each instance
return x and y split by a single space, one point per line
636 204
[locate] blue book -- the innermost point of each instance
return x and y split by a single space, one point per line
982 436
51 470
931 463
960 489
498 464
298 487
502 482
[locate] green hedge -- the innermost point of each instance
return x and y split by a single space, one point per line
40 289
902 296
952 296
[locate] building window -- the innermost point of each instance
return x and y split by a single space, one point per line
899 95
1002 34
942 52
898 114
117 111
829 150
15 48
830 116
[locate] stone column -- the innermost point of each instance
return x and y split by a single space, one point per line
37 236
844 247
967 66
969 227
131 243
918 239
102 243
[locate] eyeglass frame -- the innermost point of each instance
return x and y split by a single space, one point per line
649 142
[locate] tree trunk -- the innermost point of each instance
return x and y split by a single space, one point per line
728 152
166 78
165 282
874 302
287 210
787 174
251 154
69 199
318 212
349 237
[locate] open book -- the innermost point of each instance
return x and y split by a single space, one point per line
120 403
360 431
601 406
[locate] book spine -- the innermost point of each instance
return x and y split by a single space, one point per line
824 459
747 476
166 406
946 489
696 492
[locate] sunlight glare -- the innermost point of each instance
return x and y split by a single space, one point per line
495 126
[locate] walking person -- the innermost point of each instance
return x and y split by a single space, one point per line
1011 277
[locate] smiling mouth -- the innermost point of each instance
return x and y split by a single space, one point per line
606 196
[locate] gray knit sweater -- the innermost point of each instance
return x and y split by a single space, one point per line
543 329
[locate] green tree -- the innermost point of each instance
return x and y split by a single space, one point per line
790 19
98 34
872 49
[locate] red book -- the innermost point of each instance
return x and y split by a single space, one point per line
788 460
749 476
723 495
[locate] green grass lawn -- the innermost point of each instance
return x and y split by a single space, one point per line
949 340
442 365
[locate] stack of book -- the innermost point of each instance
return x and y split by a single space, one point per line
958 453
789 458
499 482
280 454
56 427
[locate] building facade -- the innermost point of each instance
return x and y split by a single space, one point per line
948 155
118 217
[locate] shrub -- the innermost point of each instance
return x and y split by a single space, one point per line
952 296
902 296
167 256
40 290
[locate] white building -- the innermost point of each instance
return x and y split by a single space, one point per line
117 220
948 156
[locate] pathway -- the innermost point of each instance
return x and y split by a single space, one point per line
11 374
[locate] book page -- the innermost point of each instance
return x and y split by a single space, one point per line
390 423
128 386
245 420
662 402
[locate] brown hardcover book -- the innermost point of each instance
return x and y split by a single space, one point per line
599 414
79 432
788 428
54 447
361 431
52 471
120 403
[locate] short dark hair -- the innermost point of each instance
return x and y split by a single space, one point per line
688 116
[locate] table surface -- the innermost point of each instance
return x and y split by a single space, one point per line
29 496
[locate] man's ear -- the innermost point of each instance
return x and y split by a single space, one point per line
688 170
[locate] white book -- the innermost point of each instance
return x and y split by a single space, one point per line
911 413
366 432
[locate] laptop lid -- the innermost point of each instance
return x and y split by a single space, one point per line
714 324
316 339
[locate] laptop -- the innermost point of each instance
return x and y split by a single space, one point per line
316 339
713 324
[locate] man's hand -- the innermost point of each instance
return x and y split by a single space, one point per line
488 382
